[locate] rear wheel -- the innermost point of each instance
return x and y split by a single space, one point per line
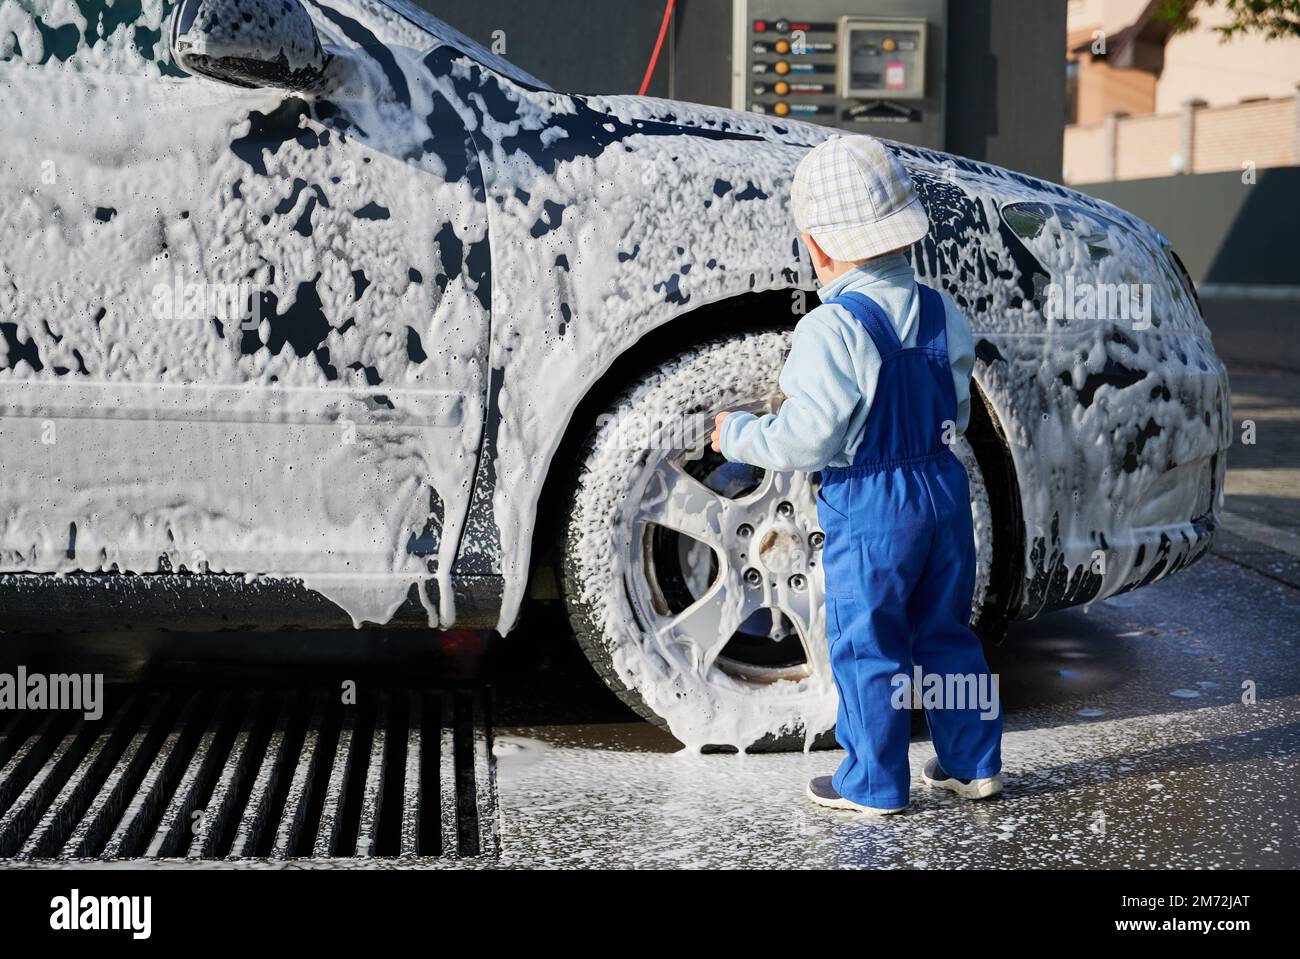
694 585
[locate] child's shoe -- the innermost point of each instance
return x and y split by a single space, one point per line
823 793
934 776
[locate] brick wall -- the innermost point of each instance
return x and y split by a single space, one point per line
1204 139
1085 153
1264 132
1144 146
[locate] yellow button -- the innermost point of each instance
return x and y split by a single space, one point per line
781 88
783 46
890 46
781 108
782 67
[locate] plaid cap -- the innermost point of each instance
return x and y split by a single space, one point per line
856 199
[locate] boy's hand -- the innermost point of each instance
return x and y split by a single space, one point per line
717 430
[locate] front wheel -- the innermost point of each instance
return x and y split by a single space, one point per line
694 585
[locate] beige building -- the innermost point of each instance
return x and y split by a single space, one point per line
1146 103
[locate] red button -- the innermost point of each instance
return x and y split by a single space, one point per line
760 26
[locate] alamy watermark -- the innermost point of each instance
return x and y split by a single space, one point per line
1117 302
183 300
83 692
636 431
923 690
77 912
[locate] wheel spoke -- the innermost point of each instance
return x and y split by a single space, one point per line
790 486
675 499
707 625
806 611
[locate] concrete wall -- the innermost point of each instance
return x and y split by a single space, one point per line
1263 133
1145 146
580 46
1226 231
1254 331
1087 154
1006 83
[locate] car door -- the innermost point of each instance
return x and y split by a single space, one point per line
241 332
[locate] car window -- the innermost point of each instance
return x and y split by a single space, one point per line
449 34
1048 227
1063 236
126 36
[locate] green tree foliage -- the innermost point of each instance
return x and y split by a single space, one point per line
1273 18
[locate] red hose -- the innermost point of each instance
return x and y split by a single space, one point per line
654 57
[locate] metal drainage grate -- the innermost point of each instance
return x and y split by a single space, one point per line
246 775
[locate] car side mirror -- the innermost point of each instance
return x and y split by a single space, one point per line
249 43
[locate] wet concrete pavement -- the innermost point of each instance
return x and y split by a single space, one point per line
1263 484
1130 743
1262 506
1127 745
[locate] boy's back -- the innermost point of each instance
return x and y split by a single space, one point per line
830 377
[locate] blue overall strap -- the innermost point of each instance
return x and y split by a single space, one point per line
932 333
868 312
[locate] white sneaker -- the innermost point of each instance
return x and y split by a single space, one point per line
934 776
823 793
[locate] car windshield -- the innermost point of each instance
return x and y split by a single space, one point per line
444 31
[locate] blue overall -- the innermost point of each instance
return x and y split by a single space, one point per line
899 561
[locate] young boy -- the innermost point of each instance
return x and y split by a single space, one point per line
877 384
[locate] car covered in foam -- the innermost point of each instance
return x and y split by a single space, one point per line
315 314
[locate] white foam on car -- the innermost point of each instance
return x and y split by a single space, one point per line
180 451
285 499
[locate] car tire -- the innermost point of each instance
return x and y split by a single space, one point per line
708 629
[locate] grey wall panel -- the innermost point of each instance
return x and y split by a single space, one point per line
1240 244
1225 231
581 46
1006 83
701 51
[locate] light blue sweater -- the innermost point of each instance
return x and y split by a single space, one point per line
829 378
